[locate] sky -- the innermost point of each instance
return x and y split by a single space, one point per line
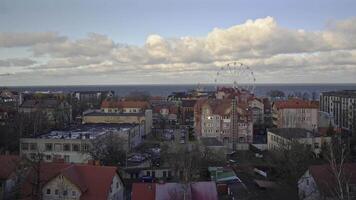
72 42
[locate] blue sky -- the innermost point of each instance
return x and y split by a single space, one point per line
131 22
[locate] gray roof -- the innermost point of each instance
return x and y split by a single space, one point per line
96 113
211 141
342 93
87 131
44 103
293 133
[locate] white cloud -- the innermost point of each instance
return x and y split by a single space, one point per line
28 39
16 62
266 47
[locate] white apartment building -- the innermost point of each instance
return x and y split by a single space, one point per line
282 138
73 145
342 106
296 113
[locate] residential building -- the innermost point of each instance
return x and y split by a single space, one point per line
171 191
213 119
73 145
187 111
54 109
116 112
282 138
8 176
257 108
342 106
73 181
320 182
92 98
296 113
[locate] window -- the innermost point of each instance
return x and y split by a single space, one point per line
148 173
316 145
66 147
56 192
169 173
153 174
75 147
57 147
307 181
85 147
66 158
164 173
65 192
117 184
24 146
74 193
33 146
48 157
48 191
48 147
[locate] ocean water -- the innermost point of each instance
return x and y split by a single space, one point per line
165 90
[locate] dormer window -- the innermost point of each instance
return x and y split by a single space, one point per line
48 191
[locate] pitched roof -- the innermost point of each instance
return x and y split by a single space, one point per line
223 106
143 191
8 165
204 191
171 191
291 133
124 104
325 179
93 181
296 103
44 103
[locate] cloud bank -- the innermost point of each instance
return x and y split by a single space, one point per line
270 50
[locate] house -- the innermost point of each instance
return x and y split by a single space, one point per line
116 112
296 113
8 176
54 109
319 182
73 144
92 98
73 181
172 191
282 138
213 118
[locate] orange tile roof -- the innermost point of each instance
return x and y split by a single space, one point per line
296 103
93 181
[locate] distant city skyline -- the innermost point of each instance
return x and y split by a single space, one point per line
48 42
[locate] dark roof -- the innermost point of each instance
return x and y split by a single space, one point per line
293 133
342 93
326 181
143 191
8 164
188 103
45 103
211 141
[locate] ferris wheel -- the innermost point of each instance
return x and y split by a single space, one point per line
236 74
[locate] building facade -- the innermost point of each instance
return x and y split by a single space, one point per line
342 106
73 145
296 113
283 138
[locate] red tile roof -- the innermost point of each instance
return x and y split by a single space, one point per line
93 181
296 103
124 104
326 181
8 164
142 191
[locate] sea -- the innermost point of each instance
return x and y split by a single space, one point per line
165 90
